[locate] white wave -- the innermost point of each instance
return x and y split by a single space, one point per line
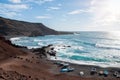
40 44
14 39
37 40
76 33
33 47
78 47
108 46
101 64
58 47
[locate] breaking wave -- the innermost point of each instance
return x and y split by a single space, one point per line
87 48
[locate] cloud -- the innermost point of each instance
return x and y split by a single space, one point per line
8 13
43 17
15 1
105 12
11 10
102 15
75 12
31 1
13 7
17 6
53 8
42 1
36 1
79 11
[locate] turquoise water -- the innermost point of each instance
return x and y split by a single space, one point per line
89 48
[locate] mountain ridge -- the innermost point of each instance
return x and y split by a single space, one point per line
10 27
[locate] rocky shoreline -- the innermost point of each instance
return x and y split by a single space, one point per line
24 64
78 68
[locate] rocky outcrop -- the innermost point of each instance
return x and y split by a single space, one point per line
45 51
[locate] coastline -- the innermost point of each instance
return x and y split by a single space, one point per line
80 67
86 64
45 69
87 69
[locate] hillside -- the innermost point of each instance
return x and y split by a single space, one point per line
7 50
15 63
10 27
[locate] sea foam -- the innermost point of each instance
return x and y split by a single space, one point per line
90 48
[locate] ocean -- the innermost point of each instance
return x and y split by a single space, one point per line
87 48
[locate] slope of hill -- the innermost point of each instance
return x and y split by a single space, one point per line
16 64
7 50
10 27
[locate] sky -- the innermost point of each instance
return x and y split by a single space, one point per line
66 15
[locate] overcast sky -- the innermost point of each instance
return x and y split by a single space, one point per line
66 15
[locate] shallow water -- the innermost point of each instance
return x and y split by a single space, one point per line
90 48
